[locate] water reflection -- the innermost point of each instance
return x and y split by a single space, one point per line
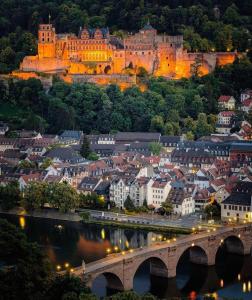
67 242
72 242
231 277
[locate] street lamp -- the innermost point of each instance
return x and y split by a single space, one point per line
83 266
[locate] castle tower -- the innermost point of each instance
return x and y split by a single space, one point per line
46 41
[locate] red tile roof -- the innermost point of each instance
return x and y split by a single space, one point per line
224 98
227 113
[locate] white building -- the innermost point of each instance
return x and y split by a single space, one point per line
224 122
226 102
238 205
246 95
157 191
138 190
119 190
182 201
225 117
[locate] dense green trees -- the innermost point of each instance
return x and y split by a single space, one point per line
30 274
10 195
57 195
169 107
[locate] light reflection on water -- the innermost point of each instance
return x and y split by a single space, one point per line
68 242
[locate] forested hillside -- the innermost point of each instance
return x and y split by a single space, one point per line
207 25
170 107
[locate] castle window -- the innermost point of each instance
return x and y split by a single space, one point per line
43 39
142 53
48 39
167 57
171 45
149 53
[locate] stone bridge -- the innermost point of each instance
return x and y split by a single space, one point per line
119 269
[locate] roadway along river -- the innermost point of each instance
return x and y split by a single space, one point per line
70 242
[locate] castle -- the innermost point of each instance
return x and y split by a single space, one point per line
97 52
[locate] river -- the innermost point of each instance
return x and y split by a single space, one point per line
68 243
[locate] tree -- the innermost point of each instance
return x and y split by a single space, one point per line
155 148
145 204
85 148
31 274
213 210
189 136
167 206
34 196
168 129
157 124
195 68
68 287
10 195
93 156
25 164
141 72
128 204
202 127
62 196
46 163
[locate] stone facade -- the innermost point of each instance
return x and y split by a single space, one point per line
119 269
96 51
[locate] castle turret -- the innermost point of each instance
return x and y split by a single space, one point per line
46 41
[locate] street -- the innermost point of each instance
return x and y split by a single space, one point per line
188 221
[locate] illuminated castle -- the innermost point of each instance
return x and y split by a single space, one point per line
96 52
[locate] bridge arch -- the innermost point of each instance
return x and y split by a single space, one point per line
108 280
232 244
191 268
195 253
147 267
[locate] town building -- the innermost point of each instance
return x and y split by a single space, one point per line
238 206
224 121
157 191
226 102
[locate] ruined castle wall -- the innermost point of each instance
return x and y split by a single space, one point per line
47 65
119 61
143 58
224 58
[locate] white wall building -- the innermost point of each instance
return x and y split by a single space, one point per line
138 190
157 191
119 190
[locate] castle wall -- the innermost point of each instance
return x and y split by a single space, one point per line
95 52
141 58
46 65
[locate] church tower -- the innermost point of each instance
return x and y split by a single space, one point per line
46 41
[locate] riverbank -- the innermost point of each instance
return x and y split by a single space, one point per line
44 214
75 217
124 225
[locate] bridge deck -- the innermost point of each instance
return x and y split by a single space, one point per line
118 257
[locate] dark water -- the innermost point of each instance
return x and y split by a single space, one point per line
72 242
